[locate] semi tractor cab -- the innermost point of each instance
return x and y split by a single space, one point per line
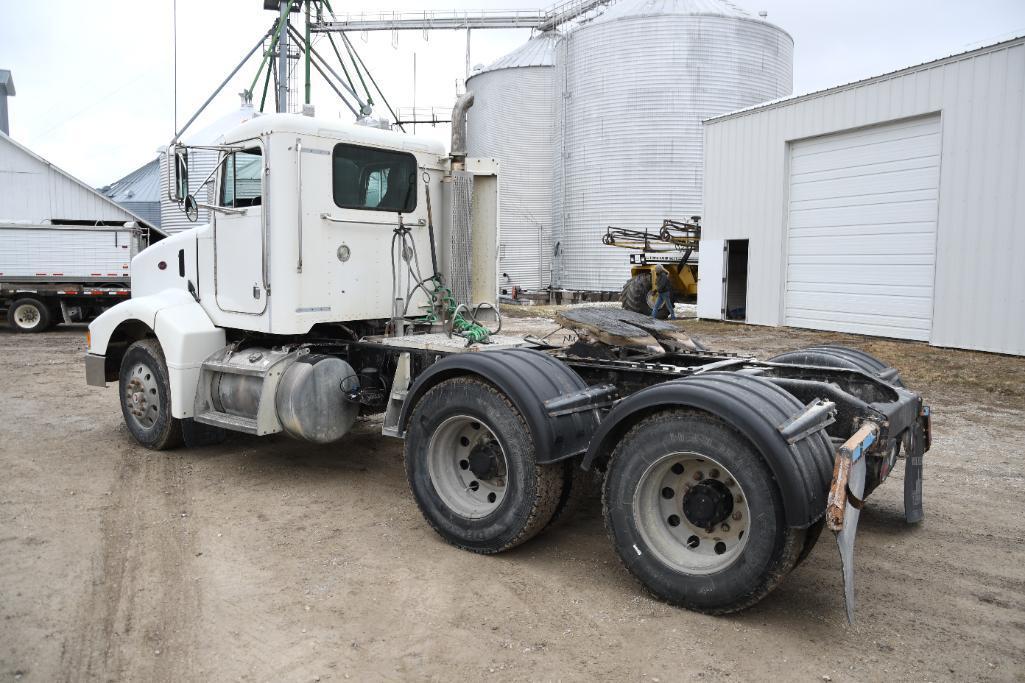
350 271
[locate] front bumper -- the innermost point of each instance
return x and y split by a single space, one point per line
95 370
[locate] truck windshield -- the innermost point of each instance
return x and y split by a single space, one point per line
243 174
375 179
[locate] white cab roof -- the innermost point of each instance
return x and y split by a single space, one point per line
335 129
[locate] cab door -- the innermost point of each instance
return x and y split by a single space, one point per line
368 263
239 234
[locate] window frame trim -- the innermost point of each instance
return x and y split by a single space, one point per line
222 173
414 195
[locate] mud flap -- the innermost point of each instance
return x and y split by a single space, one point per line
915 449
843 508
845 537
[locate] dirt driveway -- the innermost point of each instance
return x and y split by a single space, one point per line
268 559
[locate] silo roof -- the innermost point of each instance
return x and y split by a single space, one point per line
538 51
645 8
141 185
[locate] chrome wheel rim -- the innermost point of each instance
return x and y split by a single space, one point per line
692 513
141 396
26 316
467 466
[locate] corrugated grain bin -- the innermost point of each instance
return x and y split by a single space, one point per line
513 120
633 86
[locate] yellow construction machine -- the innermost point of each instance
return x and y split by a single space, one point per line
672 247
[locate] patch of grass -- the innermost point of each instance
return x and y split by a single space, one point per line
974 374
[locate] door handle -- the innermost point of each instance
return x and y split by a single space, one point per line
256 291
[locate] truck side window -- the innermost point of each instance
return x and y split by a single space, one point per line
375 179
242 183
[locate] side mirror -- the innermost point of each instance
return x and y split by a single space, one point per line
191 207
181 174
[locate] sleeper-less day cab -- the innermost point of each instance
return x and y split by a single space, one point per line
348 271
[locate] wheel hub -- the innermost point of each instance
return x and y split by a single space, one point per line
141 396
467 466
692 512
707 503
484 460
26 316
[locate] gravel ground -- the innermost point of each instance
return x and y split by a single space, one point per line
268 559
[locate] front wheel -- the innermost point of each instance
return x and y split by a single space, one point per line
695 514
471 465
146 397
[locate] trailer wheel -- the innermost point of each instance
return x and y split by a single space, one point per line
29 315
695 514
638 297
146 397
471 466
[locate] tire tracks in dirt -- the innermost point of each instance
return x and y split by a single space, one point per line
136 617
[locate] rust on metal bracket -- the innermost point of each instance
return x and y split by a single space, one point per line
853 448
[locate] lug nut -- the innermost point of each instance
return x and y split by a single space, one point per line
714 474
736 516
698 476
725 528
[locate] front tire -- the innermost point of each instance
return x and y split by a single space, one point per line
29 315
471 465
146 397
695 514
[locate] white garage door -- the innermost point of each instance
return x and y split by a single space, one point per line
862 230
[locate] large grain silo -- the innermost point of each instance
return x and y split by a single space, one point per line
513 120
633 85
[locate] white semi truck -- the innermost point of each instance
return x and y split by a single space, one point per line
348 271
62 273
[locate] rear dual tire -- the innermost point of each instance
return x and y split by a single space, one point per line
670 477
471 465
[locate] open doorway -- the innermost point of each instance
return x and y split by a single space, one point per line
735 280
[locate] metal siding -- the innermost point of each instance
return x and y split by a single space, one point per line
31 189
33 251
979 288
148 211
512 120
632 92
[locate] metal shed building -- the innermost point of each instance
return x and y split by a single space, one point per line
139 191
33 190
891 206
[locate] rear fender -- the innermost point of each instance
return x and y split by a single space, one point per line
528 378
755 408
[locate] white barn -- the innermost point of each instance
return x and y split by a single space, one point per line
892 206
32 190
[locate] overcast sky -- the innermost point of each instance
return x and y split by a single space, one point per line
95 79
